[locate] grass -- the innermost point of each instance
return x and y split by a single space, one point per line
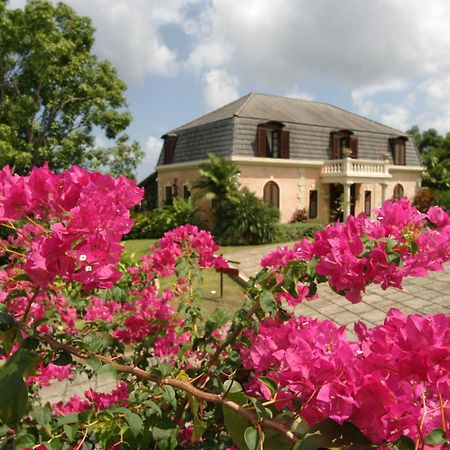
232 298
139 247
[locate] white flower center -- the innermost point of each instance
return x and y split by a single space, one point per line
83 257
88 269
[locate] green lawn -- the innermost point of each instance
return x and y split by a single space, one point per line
232 297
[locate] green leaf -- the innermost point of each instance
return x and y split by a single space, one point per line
30 343
152 409
267 301
405 443
236 426
231 387
108 370
6 321
42 414
15 294
63 358
436 437
165 435
135 423
329 434
251 438
24 441
170 396
93 363
71 431
390 244
272 385
67 419
394 258
13 390
8 339
414 247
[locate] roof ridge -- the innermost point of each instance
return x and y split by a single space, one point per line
185 125
250 96
363 117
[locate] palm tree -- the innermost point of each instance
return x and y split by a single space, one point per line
218 181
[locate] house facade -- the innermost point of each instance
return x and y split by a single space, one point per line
295 154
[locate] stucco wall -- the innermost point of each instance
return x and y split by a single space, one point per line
294 183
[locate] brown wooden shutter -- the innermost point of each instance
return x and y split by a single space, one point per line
169 149
335 150
402 147
262 144
284 144
354 146
392 149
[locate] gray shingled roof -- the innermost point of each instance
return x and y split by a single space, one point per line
231 130
292 110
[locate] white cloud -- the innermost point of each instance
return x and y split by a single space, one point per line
296 92
220 88
152 149
396 117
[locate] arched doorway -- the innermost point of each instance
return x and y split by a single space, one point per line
272 194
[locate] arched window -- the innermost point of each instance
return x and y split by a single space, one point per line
398 192
272 194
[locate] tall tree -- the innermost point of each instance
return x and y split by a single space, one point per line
55 93
435 152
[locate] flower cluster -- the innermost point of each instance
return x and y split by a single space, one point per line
97 400
394 381
187 241
82 215
384 250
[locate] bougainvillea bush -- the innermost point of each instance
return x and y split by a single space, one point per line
265 378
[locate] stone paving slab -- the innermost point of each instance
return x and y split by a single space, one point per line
420 295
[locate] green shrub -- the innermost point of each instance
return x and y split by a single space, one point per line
247 221
287 232
300 215
424 198
443 199
153 224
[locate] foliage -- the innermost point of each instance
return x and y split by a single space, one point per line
154 223
424 198
287 232
435 153
265 378
239 217
248 221
54 92
218 181
300 215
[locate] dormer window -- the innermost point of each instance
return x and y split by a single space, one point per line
170 141
273 141
398 149
342 140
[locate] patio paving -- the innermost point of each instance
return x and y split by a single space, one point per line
420 295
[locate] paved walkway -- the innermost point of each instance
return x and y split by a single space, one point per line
422 295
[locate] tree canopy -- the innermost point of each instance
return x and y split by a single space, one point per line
435 152
55 94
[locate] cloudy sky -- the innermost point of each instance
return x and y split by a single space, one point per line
385 59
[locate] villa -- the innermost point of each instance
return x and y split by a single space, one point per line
294 154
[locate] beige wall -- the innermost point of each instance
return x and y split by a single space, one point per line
294 183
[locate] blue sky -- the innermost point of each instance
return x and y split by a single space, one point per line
385 59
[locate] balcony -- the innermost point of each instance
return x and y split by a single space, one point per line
355 171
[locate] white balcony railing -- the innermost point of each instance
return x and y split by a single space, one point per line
355 168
